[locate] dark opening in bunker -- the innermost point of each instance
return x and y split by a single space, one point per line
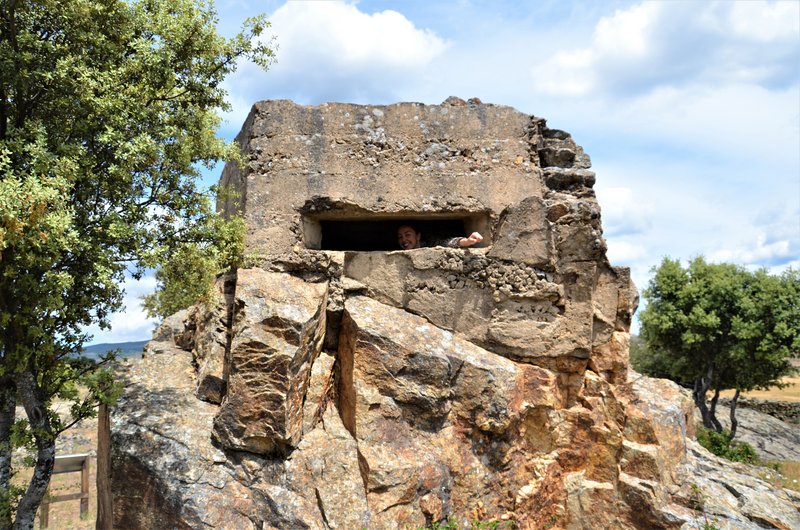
381 234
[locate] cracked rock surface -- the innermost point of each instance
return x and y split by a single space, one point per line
165 431
168 473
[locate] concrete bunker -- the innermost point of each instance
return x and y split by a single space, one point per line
412 372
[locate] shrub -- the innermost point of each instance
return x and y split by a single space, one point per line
721 444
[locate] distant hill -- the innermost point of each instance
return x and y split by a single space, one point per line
126 349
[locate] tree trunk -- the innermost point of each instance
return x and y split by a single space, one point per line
734 423
713 411
8 405
32 398
699 394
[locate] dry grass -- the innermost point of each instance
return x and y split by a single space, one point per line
66 514
787 474
789 393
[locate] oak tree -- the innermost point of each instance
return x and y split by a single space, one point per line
719 326
108 111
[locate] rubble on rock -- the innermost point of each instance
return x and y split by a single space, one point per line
369 388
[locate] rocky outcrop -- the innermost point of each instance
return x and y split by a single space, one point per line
772 438
168 472
731 495
368 388
175 330
210 323
432 415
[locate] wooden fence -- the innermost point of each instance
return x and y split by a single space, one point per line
67 464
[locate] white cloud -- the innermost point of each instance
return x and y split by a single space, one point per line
626 34
773 240
764 22
622 252
734 120
658 44
132 323
623 212
759 251
332 51
568 73
339 34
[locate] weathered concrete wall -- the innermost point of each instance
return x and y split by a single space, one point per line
539 289
406 160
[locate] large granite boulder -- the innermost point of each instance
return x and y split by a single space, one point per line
620 459
433 414
166 472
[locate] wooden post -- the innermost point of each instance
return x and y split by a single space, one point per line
85 487
44 511
105 511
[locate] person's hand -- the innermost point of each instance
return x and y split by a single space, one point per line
473 239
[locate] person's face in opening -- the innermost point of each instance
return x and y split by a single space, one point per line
408 238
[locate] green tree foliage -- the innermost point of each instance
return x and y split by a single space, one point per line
108 108
643 361
719 326
188 270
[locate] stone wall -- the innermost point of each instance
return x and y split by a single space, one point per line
783 410
407 161
538 290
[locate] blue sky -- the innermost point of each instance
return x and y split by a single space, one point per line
689 110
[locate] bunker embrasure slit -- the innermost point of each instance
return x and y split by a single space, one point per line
365 234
